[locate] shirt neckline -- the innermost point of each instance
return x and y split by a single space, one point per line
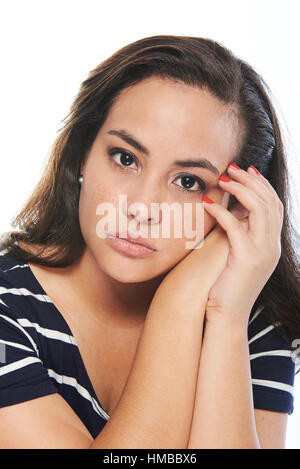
49 301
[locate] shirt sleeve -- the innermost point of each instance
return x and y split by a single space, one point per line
22 374
272 366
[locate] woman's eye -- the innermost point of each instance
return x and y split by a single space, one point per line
192 183
125 158
123 161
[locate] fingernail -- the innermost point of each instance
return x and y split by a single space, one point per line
253 169
224 178
207 200
234 166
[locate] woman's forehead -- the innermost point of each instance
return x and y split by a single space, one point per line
179 120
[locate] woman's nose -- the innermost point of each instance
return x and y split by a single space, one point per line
143 212
143 206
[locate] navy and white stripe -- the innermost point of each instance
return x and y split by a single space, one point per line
272 364
42 356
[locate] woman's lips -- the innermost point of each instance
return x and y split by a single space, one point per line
130 248
135 240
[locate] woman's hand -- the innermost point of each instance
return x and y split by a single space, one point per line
187 284
185 287
253 252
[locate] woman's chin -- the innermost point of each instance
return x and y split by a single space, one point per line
128 272
125 268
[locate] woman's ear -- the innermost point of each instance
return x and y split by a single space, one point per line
81 168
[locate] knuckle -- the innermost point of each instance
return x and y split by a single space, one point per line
281 206
265 207
271 201
277 253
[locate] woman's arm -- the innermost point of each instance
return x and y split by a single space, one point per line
224 415
156 407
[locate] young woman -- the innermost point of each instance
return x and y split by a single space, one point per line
110 344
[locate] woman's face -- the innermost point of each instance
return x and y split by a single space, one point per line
172 121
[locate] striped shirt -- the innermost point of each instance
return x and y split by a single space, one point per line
39 354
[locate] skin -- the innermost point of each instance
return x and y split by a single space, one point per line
253 255
173 121
249 264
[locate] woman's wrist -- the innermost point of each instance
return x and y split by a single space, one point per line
187 285
234 324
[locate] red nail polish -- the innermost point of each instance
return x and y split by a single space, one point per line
224 178
254 169
234 166
207 200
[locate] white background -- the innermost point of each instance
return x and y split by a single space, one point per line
48 48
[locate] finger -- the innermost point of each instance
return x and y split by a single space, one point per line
252 170
259 218
254 181
279 205
235 230
263 188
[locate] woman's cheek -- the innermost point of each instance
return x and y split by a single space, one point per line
89 208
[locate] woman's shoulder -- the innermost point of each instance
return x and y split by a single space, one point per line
23 299
12 277
15 275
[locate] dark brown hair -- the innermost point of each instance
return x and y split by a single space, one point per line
50 216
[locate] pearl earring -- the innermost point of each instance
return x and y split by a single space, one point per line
80 179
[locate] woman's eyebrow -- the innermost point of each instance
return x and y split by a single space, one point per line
201 163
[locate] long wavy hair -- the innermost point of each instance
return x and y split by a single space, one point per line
49 218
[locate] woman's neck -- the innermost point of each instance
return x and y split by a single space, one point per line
113 303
